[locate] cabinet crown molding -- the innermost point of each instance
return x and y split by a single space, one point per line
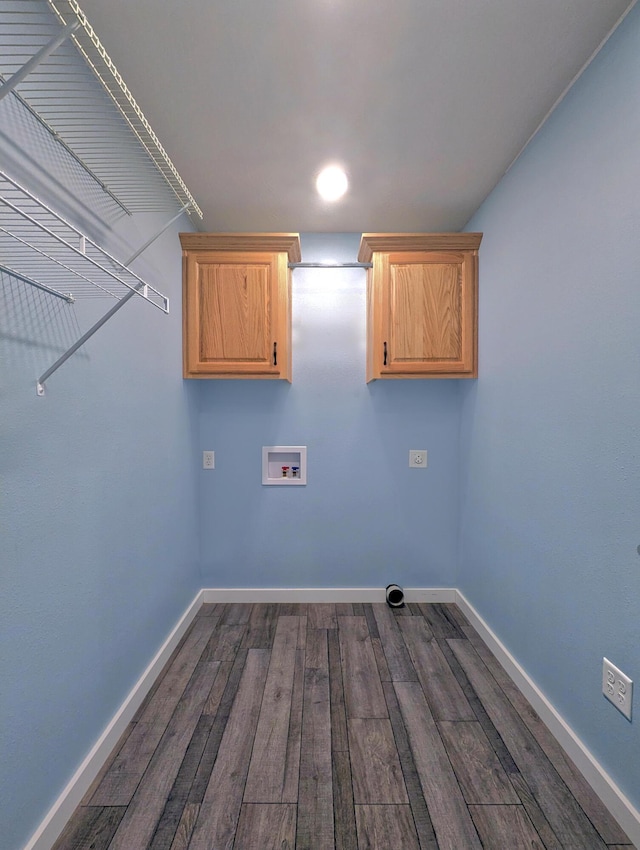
371 243
273 242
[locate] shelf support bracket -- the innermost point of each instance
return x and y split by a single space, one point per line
157 236
63 358
37 58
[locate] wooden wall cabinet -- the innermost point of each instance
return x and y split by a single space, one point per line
237 304
422 304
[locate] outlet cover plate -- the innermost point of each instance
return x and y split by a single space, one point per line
208 460
617 687
418 458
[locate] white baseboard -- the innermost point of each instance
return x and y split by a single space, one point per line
324 594
55 820
618 804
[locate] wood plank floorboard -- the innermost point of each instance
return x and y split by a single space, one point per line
185 827
376 643
371 620
217 690
444 695
536 815
421 817
172 819
347 726
205 766
339 739
265 782
498 745
91 828
362 685
266 827
397 657
449 813
442 624
145 809
220 809
260 627
294 741
375 766
292 609
479 773
386 826
236 614
315 829
345 836
322 616
224 643
501 826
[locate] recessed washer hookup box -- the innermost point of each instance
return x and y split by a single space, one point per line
284 465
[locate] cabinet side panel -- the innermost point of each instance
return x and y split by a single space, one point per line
191 315
470 314
377 307
281 316
234 301
186 336
426 312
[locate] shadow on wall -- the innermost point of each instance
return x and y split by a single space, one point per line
35 328
32 157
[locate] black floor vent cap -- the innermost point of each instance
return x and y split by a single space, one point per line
395 596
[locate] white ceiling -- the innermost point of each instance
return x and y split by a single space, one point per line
424 102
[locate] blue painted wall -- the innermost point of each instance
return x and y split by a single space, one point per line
98 517
550 494
365 518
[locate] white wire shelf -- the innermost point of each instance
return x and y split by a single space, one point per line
77 93
42 248
55 69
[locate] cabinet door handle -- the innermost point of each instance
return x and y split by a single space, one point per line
384 362
275 353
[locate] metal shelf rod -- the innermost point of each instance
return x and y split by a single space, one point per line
157 236
8 270
330 265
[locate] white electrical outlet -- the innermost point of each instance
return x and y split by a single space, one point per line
617 687
208 460
418 458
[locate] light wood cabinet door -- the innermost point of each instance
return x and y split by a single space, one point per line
236 306
421 305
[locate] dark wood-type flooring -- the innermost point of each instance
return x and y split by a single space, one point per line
346 726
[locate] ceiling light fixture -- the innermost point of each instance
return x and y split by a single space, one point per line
332 183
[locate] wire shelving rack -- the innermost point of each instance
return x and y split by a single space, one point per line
54 65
